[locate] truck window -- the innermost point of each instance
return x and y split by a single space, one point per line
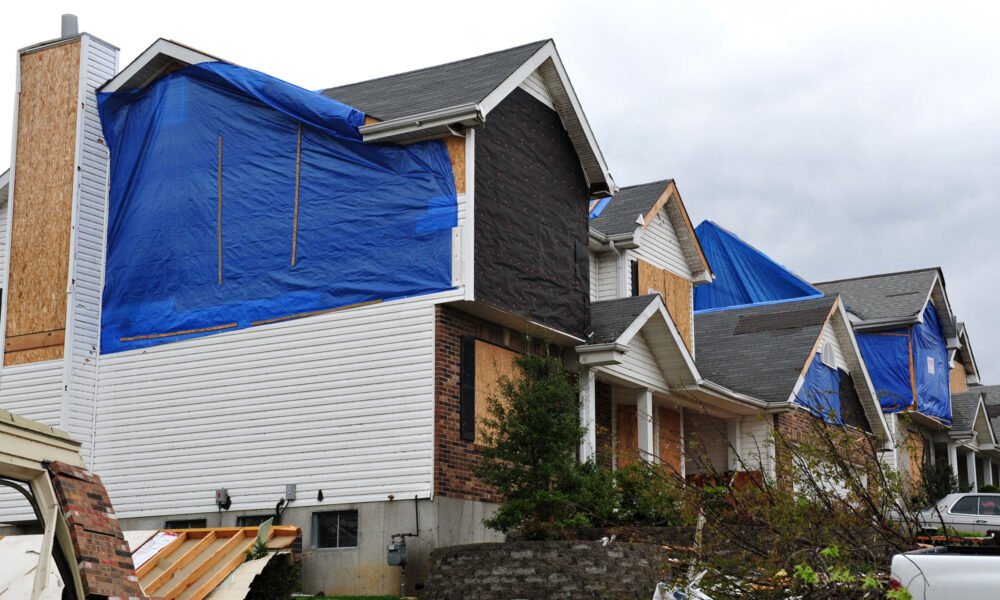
968 505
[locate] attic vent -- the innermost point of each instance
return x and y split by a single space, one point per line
827 356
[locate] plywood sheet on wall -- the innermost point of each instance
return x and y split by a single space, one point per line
43 196
669 429
627 440
492 362
456 150
676 293
957 379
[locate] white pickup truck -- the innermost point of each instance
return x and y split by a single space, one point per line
949 572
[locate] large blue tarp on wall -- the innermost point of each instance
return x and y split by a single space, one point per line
887 356
743 275
373 221
930 366
820 391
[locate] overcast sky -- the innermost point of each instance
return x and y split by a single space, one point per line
854 139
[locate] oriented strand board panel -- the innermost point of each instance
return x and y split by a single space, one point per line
456 150
650 279
669 428
43 196
957 379
677 297
627 442
492 362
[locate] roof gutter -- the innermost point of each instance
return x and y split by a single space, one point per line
875 325
720 390
424 125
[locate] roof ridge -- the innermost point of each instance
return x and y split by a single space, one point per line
539 43
648 183
874 275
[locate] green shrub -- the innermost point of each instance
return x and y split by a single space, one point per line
938 481
279 579
989 488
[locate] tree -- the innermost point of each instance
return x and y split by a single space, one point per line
938 481
531 437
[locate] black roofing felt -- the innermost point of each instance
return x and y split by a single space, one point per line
887 296
747 358
610 318
619 216
963 409
433 88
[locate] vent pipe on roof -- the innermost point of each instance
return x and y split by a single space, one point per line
69 26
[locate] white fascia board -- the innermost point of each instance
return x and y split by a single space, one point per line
174 50
656 307
721 391
549 52
598 355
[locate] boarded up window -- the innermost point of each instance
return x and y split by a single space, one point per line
492 362
627 446
675 291
669 429
958 383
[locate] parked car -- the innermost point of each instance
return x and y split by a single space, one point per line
948 572
970 512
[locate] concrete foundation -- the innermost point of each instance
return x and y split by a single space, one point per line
363 570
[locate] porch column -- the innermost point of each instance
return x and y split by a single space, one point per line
644 415
987 471
588 413
953 459
970 466
734 433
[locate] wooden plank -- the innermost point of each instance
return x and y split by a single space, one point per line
174 333
669 449
956 379
167 550
295 217
456 150
492 362
315 312
40 226
179 564
670 190
913 372
31 341
627 440
219 219
677 297
223 570
189 579
650 279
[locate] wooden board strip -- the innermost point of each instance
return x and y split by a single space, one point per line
664 197
203 568
913 372
167 550
317 312
220 210
223 571
30 341
181 562
173 333
295 218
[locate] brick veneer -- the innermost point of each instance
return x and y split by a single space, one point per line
103 555
602 412
797 425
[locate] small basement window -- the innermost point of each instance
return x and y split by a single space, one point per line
185 524
338 529
251 520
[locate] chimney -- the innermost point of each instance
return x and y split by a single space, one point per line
58 179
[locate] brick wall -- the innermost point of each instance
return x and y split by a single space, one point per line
602 410
103 555
798 425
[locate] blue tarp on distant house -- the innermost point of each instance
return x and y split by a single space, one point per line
237 198
820 391
743 275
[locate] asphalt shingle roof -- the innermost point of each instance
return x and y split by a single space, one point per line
759 350
433 88
619 215
610 318
992 402
886 296
963 409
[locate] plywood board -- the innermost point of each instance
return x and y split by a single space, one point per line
627 440
492 362
677 297
956 378
31 341
43 196
650 279
23 357
456 150
669 428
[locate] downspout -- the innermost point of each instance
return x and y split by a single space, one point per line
619 277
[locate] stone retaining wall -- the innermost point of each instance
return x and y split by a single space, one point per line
546 570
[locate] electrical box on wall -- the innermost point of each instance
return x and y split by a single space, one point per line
290 491
222 498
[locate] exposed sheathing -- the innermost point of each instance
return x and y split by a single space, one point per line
492 363
43 197
669 447
957 379
456 150
627 437
676 293
531 256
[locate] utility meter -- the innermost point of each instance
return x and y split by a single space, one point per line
397 554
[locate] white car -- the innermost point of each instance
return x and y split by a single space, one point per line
948 572
971 512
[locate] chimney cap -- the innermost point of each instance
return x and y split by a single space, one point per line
70 27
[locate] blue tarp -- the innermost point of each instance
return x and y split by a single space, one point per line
930 367
820 391
743 275
373 221
599 207
887 356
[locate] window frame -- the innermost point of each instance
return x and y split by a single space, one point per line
170 524
316 516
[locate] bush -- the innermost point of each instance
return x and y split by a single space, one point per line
938 481
989 488
279 579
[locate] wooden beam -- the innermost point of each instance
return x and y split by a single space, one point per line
316 312
31 341
204 567
671 189
819 338
167 550
223 571
181 562
173 333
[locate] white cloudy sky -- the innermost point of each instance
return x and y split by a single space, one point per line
842 139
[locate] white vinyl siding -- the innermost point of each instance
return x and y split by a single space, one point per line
755 446
830 343
535 86
593 276
639 366
606 280
33 390
660 247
